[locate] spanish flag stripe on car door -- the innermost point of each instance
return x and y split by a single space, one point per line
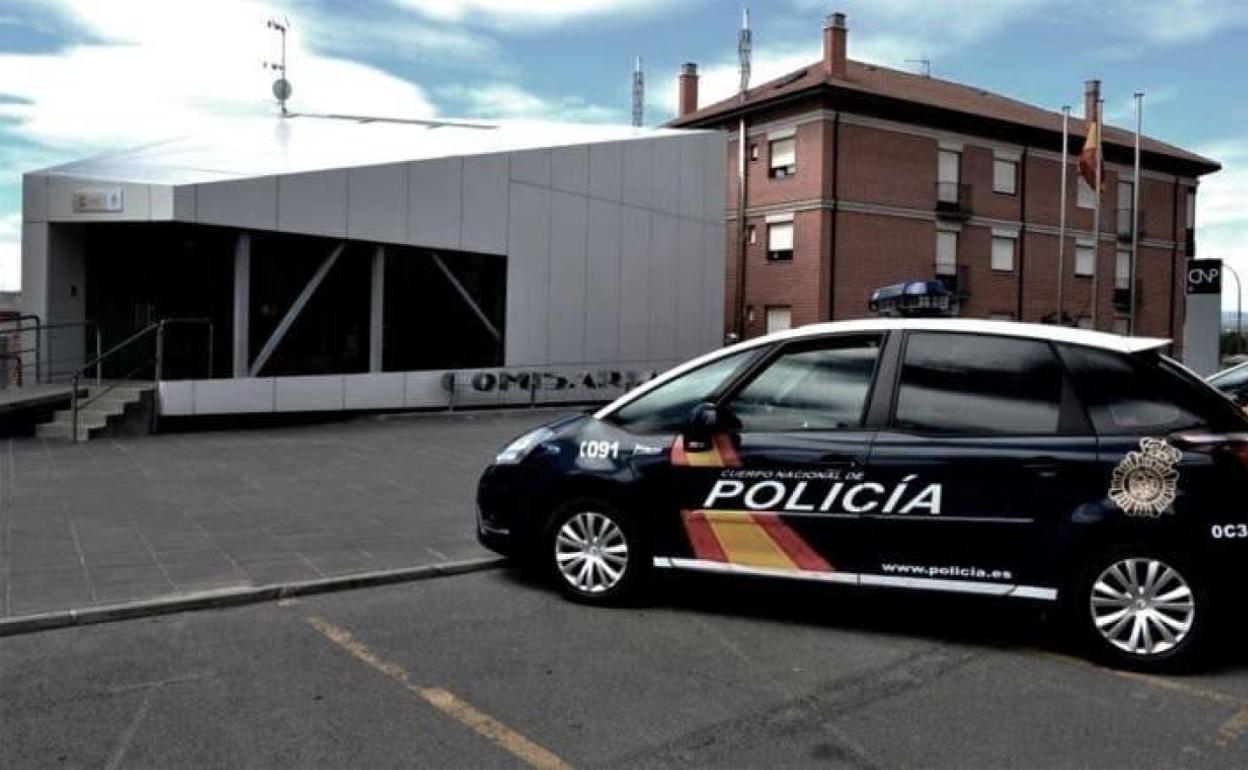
752 539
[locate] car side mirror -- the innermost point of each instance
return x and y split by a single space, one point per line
705 421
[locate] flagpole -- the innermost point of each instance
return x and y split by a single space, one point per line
1061 217
1096 219
1135 208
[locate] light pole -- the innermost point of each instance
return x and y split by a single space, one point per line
1239 305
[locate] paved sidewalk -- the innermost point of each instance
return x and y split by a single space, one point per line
118 520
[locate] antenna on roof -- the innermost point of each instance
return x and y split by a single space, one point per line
281 87
745 47
639 94
925 64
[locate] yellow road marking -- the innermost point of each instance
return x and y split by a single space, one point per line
443 700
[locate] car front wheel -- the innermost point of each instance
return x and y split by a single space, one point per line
1144 611
596 553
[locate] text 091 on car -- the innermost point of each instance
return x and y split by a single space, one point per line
1084 470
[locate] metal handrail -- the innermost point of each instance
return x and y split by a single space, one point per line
157 362
39 348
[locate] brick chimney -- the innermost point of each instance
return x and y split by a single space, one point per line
688 98
1091 96
835 45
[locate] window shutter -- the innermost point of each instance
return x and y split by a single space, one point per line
1004 173
783 153
780 236
1002 253
946 252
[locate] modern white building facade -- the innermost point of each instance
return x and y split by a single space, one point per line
358 263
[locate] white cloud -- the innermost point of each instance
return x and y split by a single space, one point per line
164 70
526 13
173 69
1221 216
1177 21
503 100
10 252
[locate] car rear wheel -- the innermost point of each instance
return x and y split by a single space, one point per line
1144 610
596 553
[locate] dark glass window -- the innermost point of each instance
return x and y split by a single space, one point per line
823 388
1143 394
1233 380
977 384
669 406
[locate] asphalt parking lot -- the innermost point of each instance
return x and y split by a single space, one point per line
492 669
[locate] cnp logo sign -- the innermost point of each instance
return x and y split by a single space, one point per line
1204 276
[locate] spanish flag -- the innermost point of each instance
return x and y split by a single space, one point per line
1090 155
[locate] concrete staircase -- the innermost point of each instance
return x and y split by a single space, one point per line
124 409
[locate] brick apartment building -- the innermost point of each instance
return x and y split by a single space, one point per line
859 176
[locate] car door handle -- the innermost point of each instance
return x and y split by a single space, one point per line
1044 467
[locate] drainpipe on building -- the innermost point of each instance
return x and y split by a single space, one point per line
1022 230
836 155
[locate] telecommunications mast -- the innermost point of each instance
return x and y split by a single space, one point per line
639 95
281 87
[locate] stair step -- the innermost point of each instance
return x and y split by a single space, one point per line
62 431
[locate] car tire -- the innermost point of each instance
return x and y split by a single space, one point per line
596 553
1142 609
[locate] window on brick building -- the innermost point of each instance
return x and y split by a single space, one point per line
1122 325
1085 197
1085 259
779 318
1122 269
1002 253
783 157
946 252
1084 322
948 172
1004 177
751 234
780 240
754 151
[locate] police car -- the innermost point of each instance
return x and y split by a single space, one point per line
1030 462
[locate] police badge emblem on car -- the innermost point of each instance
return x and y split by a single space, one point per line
1145 482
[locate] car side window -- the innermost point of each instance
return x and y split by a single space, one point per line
669 406
823 387
1232 380
968 384
1127 395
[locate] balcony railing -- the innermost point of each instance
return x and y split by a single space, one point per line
953 200
1124 224
958 283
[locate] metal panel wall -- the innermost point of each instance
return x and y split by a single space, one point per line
249 204
485 204
664 245
606 171
635 235
569 169
528 271
602 285
315 204
435 198
377 203
569 254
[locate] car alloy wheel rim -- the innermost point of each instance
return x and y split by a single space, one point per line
1142 606
591 552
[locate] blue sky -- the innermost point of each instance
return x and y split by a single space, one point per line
85 76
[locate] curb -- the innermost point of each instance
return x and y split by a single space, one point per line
236 597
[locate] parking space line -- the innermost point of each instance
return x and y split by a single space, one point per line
443 700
